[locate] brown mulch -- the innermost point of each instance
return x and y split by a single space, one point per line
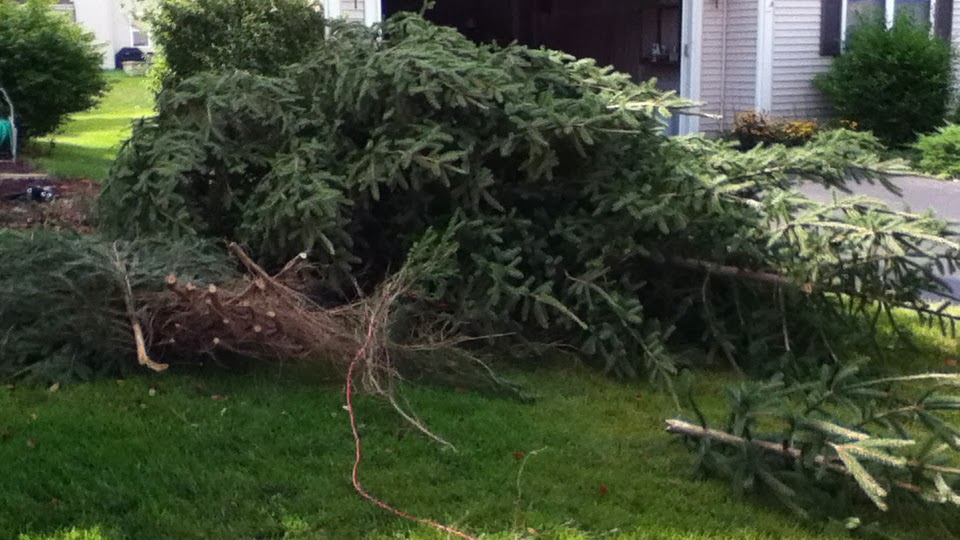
18 167
71 208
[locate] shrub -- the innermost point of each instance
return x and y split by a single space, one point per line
752 128
259 36
940 152
50 67
894 82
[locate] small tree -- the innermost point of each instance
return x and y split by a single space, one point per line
50 66
895 82
259 36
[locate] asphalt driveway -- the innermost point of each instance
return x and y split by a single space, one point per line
918 194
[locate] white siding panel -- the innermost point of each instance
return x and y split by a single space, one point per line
797 60
956 23
728 79
956 43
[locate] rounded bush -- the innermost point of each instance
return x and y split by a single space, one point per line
894 82
48 65
940 152
260 36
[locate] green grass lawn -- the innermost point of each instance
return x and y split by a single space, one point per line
272 460
87 144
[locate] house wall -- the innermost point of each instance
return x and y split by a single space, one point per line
728 78
955 38
797 60
109 24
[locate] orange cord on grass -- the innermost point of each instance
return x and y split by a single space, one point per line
356 437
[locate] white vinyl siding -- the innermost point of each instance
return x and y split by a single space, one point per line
728 79
955 38
797 60
956 23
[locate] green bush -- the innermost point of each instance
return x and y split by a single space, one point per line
940 152
50 67
894 82
259 36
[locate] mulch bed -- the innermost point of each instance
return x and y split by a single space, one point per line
19 167
71 208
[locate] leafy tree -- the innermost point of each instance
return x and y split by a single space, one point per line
50 67
895 82
259 36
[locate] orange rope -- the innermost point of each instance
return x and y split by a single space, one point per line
356 437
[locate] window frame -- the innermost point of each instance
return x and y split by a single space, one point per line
146 36
890 15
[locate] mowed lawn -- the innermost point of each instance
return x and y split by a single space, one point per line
88 142
262 455
267 454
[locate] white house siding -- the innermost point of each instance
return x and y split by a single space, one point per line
955 38
728 79
109 24
797 60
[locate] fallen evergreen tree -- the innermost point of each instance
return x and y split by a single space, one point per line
563 214
575 218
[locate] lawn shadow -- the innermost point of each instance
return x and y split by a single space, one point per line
67 160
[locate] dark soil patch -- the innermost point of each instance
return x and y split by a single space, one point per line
71 207
18 167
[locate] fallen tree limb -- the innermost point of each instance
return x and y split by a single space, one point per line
736 272
686 429
780 279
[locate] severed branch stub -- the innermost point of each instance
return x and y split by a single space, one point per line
142 357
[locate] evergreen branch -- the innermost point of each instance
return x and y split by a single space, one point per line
686 429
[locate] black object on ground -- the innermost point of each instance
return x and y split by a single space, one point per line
34 193
129 54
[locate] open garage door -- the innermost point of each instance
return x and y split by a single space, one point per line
639 37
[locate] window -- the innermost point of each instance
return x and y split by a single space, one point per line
66 7
855 12
139 37
918 9
837 17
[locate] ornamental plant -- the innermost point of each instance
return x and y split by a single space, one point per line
48 65
895 82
